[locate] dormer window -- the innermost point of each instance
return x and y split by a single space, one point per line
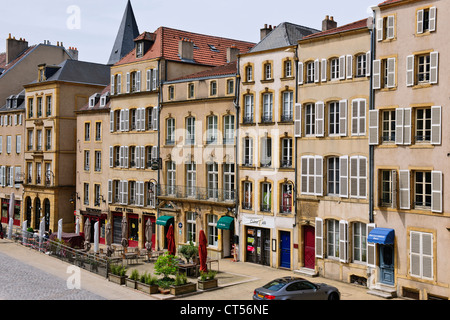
213 48
104 100
139 49
93 100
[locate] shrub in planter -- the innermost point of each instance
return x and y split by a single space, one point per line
132 280
147 283
117 274
182 286
207 280
188 251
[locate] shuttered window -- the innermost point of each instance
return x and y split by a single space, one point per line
359 117
319 238
421 255
358 177
422 69
312 175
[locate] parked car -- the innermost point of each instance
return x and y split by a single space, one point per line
294 288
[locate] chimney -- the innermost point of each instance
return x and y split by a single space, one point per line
328 23
186 49
14 48
73 52
265 31
232 53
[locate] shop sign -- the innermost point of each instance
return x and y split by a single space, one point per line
258 221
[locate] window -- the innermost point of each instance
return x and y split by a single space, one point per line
248 152
388 188
86 194
386 28
249 74
132 192
8 144
426 20
286 198
266 152
30 140
359 242
134 81
39 107
190 130
421 253
422 69
191 179
286 152
287 112
334 69
228 134
86 160
333 118
30 107
171 92
230 86
87 131
29 172
171 177
213 180
96 195
388 126
311 175
358 177
49 106
116 190
228 181
213 88
213 232
191 90
361 65
152 80
247 195
310 72
98 131
98 161
359 117
248 108
267 112
39 140
333 176
18 144
139 49
116 84
310 119
422 190
384 73
48 139
288 68
423 125
333 238
191 227
266 197
267 71
170 133
211 134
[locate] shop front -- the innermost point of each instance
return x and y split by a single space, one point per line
226 224
5 211
382 242
164 222
94 216
153 221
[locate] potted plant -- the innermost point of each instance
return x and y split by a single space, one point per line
188 251
117 274
166 265
182 286
147 283
132 280
207 280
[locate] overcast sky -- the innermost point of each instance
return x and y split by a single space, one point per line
92 25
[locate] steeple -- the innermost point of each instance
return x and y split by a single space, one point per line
128 31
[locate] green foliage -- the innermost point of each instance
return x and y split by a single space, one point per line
209 275
147 278
29 229
166 265
188 251
180 279
135 275
118 270
165 283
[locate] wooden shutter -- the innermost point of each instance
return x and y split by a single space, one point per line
137 157
410 71
318 175
316 71
304 175
390 27
111 121
121 156
320 119
319 238
349 66
343 118
298 121
126 153
342 67
300 73
355 117
362 177
128 82
404 187
373 127
399 120
421 254
432 19
436 125
354 177
119 84
380 30
394 189
391 73
125 192
111 157
407 126
323 69
127 119
376 76
121 120
154 153
343 241
311 175
142 157
420 21
138 81
155 122
434 67
149 79
371 248
368 63
112 86
110 191
17 177
343 176
436 191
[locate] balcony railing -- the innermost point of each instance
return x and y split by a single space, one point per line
196 193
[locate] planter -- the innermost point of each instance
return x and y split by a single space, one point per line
131 283
207 284
183 289
117 279
147 288
163 290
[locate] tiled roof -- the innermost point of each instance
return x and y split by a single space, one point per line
389 2
227 69
348 27
166 46
8 66
97 106
2 60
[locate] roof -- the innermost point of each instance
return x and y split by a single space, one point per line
166 46
8 66
389 2
97 106
128 31
284 35
360 24
21 107
227 69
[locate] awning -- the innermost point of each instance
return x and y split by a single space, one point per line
225 223
165 221
381 236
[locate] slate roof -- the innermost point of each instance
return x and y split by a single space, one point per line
128 31
284 35
360 24
165 46
97 106
20 107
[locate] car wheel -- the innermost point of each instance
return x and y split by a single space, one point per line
333 296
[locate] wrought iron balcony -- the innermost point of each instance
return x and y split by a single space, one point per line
197 193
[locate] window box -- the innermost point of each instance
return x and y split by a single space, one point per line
183 289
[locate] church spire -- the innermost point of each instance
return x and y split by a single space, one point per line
128 31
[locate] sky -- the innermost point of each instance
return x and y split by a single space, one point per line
91 25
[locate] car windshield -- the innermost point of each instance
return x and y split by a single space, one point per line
275 285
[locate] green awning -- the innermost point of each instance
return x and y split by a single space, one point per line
165 221
225 223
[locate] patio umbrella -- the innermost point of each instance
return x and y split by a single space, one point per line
124 232
96 237
41 231
202 252
77 226
148 235
10 228
60 227
108 239
87 234
12 201
170 241
24 231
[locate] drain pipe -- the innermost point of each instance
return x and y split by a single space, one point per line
236 160
371 107
295 139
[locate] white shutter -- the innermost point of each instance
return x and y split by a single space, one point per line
138 81
376 76
125 192
300 73
390 27
149 78
17 177
142 157
436 191
111 121
343 176
362 177
143 126
110 191
420 21
320 119
349 66
324 70
137 157
304 175
318 176
155 79
432 19
410 71
119 84
436 125
421 253
121 156
126 153
343 241
298 120
18 144
391 72
2 176
154 153
155 122
394 189
380 30
122 120
128 82
127 120
112 85
316 71
404 187
407 126
434 67
354 177
111 157
368 63
343 118
371 248
319 238
142 195
373 127
399 120
342 67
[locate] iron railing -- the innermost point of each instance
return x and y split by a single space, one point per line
197 193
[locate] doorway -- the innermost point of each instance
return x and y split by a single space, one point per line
309 247
386 252
285 249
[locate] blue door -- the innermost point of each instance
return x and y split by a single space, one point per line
285 247
387 264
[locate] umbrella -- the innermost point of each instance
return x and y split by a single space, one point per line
148 235
202 252
24 232
108 239
87 234
77 226
10 228
41 231
124 232
170 241
96 236
60 227
11 205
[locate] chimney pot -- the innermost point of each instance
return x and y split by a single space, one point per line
328 23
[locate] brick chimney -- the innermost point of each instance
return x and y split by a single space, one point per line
328 23
232 53
265 31
186 49
14 48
